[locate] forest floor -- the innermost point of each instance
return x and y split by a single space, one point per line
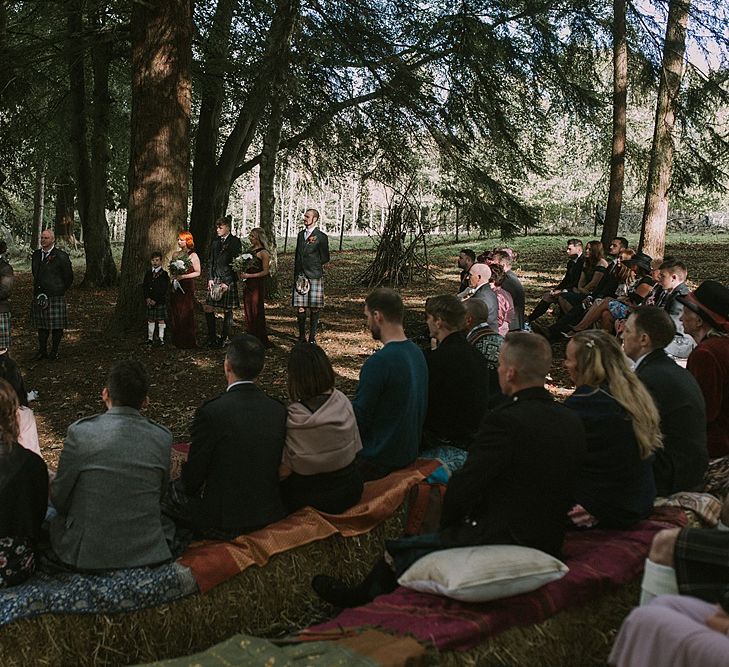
70 387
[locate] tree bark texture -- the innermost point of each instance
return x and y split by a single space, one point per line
655 211
160 139
620 107
38 206
64 209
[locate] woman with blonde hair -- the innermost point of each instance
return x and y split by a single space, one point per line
23 495
615 487
255 286
182 299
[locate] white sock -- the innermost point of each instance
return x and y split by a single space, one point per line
657 580
161 326
722 526
150 330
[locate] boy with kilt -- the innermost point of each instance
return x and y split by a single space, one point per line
312 252
222 281
7 278
155 287
52 276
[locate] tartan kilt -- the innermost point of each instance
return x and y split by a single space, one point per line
314 298
228 301
157 312
53 317
702 562
4 331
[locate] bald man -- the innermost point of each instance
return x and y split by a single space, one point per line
52 276
478 279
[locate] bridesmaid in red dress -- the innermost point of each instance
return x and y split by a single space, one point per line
255 285
182 299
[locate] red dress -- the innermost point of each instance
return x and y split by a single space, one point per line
253 300
182 313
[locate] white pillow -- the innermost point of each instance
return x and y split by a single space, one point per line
483 573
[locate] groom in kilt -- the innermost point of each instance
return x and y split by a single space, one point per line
52 276
312 252
222 277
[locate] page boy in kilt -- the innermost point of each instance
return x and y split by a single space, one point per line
224 249
312 252
7 277
155 287
52 276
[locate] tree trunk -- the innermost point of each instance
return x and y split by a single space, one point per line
655 211
161 34
620 106
65 195
38 207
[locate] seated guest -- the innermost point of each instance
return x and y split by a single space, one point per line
28 435
479 281
516 485
615 486
568 282
706 318
23 496
512 285
458 379
593 270
322 438
237 442
672 275
504 299
112 473
392 395
682 461
466 259
487 341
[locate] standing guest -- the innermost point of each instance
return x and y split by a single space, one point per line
487 341
480 274
569 280
231 475
615 487
322 438
23 496
512 285
254 294
222 282
154 288
52 276
504 299
28 430
466 259
681 463
392 395
706 318
312 253
182 296
112 474
7 279
458 378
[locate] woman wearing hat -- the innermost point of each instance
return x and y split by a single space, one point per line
706 318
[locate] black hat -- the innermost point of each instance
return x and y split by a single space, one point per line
641 260
710 301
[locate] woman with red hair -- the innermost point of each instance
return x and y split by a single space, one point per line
182 300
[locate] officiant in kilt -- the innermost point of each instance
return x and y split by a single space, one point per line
222 281
52 276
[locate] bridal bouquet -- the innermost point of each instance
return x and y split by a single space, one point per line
242 262
179 266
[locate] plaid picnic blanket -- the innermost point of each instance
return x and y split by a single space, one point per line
600 561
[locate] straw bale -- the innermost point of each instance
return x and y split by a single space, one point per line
263 601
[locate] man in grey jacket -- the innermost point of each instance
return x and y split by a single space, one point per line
112 474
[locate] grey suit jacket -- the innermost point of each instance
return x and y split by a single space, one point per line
112 474
488 296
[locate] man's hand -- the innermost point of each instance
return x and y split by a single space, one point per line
224 288
150 302
210 283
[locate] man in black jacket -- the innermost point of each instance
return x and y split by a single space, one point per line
231 473
52 276
312 253
570 279
221 276
682 461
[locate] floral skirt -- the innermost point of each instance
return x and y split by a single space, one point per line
17 560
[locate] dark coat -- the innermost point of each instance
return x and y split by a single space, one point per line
458 389
572 274
54 276
156 285
7 278
311 255
222 254
232 469
513 286
681 463
23 492
518 482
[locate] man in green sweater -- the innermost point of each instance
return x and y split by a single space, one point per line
392 396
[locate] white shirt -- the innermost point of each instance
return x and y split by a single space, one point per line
230 386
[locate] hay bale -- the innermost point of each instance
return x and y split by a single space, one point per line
576 637
263 601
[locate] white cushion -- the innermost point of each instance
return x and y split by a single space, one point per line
483 573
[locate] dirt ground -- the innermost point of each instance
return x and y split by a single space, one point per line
70 387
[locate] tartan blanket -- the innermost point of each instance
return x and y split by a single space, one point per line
600 561
51 592
214 562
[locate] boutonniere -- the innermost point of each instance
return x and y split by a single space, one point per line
311 239
50 258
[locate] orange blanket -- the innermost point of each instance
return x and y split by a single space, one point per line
212 563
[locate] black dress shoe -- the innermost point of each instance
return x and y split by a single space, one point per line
336 593
40 355
53 356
